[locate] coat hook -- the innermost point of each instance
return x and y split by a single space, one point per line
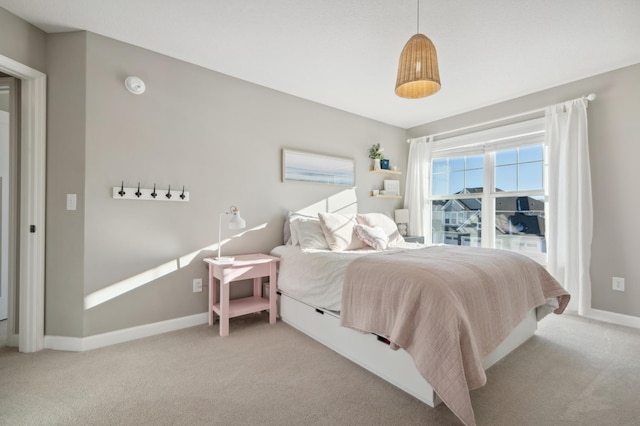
182 195
169 192
154 194
138 193
121 192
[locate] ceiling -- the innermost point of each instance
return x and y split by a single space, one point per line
344 53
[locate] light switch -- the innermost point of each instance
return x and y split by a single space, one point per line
71 201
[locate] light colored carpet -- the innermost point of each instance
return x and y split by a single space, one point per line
573 372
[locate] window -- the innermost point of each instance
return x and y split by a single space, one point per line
488 190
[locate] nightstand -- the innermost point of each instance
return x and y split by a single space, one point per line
246 266
409 239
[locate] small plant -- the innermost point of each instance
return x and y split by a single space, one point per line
376 152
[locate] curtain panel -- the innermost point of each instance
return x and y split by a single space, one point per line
417 186
570 208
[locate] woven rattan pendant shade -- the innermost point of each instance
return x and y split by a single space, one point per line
418 74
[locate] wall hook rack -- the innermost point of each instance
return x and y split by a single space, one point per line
139 193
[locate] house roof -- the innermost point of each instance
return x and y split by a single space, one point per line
344 53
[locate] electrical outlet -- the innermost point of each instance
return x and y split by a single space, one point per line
618 284
197 285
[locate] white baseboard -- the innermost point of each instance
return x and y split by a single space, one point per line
613 317
79 344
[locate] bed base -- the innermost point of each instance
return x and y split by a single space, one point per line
372 353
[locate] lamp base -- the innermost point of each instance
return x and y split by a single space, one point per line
224 259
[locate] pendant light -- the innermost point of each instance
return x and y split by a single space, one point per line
418 74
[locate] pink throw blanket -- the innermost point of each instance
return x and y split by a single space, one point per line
448 307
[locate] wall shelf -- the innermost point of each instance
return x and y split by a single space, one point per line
386 196
385 171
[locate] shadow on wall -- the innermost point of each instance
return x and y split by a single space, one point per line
343 202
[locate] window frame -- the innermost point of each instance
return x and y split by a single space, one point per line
487 143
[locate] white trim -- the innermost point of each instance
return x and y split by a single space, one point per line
589 97
32 202
513 134
612 317
80 344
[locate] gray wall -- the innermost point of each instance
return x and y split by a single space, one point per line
21 41
614 149
66 136
218 136
4 101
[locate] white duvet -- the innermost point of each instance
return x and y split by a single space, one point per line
316 276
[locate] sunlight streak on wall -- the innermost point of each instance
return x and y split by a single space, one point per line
118 289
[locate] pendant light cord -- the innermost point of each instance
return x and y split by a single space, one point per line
418 19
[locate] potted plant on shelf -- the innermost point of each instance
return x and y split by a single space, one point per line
376 154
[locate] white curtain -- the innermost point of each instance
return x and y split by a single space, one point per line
417 187
570 210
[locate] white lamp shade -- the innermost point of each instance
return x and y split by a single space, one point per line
402 216
236 221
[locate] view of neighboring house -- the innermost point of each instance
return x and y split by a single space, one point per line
519 222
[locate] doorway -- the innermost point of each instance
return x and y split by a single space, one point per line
8 202
27 314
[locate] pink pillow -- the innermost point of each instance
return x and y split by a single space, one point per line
372 236
382 221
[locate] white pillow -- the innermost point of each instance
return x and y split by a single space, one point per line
383 221
339 233
372 236
290 224
309 234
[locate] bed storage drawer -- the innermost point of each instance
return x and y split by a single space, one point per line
364 349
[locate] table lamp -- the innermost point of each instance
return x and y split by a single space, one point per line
402 218
236 222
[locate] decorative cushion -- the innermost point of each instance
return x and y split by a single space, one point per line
339 233
383 221
372 236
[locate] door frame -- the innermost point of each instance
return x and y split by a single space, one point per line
31 234
12 255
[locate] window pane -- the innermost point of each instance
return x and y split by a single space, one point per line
456 182
530 153
530 176
506 178
457 222
439 165
475 162
508 156
456 164
449 175
439 184
474 178
520 224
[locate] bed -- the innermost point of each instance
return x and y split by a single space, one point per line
452 311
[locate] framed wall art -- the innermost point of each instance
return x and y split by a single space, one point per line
391 187
301 166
